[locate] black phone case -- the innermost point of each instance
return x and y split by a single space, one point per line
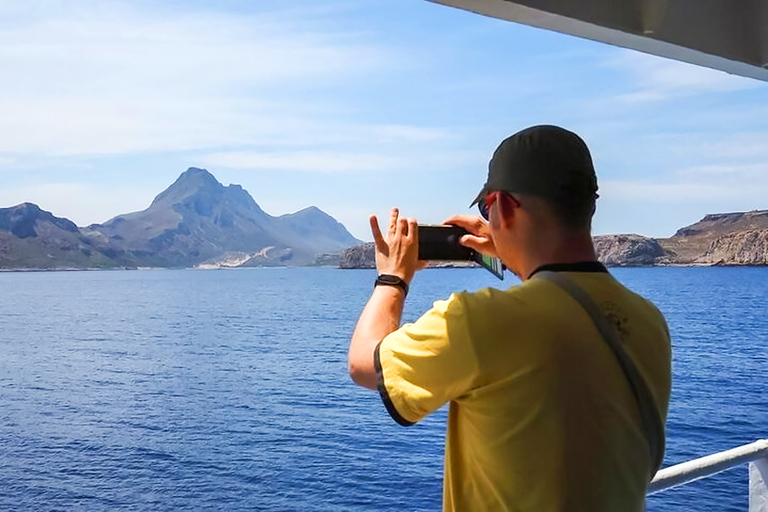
442 243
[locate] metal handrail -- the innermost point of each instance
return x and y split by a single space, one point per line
706 466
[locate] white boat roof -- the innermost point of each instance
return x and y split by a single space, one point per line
729 35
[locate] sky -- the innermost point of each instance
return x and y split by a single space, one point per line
354 107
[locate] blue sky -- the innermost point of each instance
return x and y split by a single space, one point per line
353 107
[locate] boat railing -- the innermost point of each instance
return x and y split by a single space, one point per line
756 454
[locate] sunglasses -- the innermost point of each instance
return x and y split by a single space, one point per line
485 204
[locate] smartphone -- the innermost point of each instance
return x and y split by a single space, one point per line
442 243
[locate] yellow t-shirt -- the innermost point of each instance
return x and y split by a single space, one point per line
541 416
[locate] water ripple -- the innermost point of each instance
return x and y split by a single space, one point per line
227 390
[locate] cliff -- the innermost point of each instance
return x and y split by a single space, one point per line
739 238
742 248
361 256
628 250
723 234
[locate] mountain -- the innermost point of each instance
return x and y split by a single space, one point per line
721 238
314 228
34 238
195 221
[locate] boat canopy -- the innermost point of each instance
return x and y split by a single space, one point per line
729 35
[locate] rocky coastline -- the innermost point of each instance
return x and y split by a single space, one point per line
726 239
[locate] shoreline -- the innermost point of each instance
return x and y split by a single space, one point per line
440 266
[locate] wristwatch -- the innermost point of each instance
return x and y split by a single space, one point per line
390 280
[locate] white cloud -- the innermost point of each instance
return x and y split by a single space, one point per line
748 174
7 161
657 192
741 146
658 78
388 158
118 80
696 189
318 161
398 133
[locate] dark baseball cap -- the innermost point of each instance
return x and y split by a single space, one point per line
545 161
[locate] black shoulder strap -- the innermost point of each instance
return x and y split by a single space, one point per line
649 413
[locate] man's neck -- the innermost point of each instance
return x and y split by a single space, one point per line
568 247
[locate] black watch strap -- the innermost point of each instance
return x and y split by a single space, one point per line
390 280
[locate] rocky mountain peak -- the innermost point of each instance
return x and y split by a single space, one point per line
314 224
21 220
310 211
199 176
192 181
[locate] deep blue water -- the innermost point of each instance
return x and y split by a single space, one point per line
227 390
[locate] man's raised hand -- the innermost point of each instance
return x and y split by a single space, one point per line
398 253
479 238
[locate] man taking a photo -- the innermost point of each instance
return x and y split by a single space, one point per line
553 406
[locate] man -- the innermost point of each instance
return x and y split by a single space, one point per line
542 417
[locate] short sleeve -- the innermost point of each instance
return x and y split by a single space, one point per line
423 365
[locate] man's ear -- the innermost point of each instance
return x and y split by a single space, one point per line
506 210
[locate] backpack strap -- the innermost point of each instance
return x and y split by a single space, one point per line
649 413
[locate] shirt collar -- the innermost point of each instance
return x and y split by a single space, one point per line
581 266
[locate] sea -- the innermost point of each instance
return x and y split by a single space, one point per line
155 390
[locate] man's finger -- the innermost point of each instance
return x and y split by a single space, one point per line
470 241
378 238
413 229
394 213
472 223
456 219
481 244
402 227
